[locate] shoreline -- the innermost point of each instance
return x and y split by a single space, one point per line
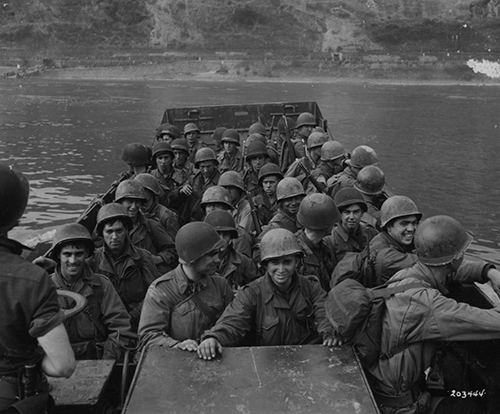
160 72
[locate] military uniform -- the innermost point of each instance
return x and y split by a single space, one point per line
342 241
166 217
415 320
266 208
29 309
346 178
236 268
103 325
170 184
148 234
242 214
131 275
251 182
291 318
318 259
284 221
229 162
171 314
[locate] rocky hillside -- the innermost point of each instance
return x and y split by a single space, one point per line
275 27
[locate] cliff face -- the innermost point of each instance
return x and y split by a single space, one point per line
297 27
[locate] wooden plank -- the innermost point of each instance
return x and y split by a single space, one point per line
279 379
85 386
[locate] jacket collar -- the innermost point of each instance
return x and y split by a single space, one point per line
13 246
183 281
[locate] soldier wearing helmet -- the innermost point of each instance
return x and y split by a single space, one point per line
163 170
145 233
256 156
104 325
192 136
304 126
230 158
130 268
217 198
31 318
152 209
265 201
332 157
361 157
370 183
284 307
289 193
182 165
137 157
217 137
423 315
350 234
317 214
208 174
167 133
235 267
188 300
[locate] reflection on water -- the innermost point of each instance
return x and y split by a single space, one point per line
437 144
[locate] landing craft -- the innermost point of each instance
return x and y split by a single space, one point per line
298 379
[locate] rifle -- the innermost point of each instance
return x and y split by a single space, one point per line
319 186
288 141
255 217
270 135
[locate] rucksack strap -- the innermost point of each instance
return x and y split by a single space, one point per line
386 291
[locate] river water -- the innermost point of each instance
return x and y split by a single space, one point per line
437 144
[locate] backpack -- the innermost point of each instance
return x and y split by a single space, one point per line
357 312
360 266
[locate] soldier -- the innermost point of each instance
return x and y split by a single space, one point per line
217 198
217 137
317 214
350 235
103 328
283 307
168 178
242 213
183 167
130 268
257 128
265 201
417 318
230 158
271 151
289 193
207 175
361 157
145 233
286 131
182 304
304 126
331 161
235 267
370 183
256 157
31 325
137 157
152 209
192 136
167 133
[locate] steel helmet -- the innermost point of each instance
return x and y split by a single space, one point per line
370 180
441 239
222 221
331 150
318 212
231 135
231 179
216 194
362 156
162 147
255 138
136 154
168 129
397 206
348 196
14 192
110 213
205 154
257 128
180 144
256 149
129 189
195 240
217 134
269 169
289 187
149 183
190 127
317 139
305 119
282 125
278 243
73 232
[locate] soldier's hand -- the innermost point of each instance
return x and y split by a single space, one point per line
188 345
494 277
186 190
157 259
208 348
332 340
45 263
